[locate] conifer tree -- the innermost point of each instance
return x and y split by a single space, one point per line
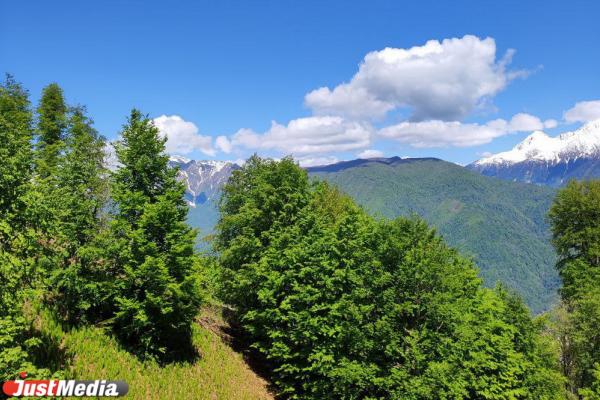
44 202
15 146
152 247
16 269
82 190
52 122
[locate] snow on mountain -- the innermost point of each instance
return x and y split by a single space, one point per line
179 159
548 160
584 142
203 179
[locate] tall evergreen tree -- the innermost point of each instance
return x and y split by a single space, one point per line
44 202
82 190
152 246
15 146
52 122
16 238
15 175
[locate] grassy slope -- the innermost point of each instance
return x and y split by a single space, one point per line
502 224
219 373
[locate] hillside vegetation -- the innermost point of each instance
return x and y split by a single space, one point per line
102 279
346 306
218 373
501 224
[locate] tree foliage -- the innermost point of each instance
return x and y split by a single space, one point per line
52 122
575 218
17 266
134 267
345 306
152 247
501 224
78 289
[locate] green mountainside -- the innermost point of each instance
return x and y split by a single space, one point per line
501 224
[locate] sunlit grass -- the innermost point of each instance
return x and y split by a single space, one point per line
219 373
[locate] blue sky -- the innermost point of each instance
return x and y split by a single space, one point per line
227 70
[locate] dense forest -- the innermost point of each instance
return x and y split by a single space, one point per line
332 302
472 212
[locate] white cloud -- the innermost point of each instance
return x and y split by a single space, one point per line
441 133
583 111
310 135
182 136
316 161
223 144
436 133
370 153
439 80
525 122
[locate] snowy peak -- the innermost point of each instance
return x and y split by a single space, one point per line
546 160
583 142
203 179
179 159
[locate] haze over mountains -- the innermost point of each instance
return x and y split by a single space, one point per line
473 212
546 160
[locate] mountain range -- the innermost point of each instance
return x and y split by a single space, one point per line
500 224
203 181
546 160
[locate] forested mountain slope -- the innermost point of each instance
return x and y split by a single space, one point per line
501 224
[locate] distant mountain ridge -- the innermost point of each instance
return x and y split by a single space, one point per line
203 179
546 160
342 165
501 224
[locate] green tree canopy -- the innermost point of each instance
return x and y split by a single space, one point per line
51 125
78 284
575 219
152 246
345 306
17 266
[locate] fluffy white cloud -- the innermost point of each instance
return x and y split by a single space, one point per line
223 143
523 122
315 161
439 80
310 135
583 111
370 153
436 133
182 136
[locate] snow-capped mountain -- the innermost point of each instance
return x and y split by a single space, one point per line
203 179
548 160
